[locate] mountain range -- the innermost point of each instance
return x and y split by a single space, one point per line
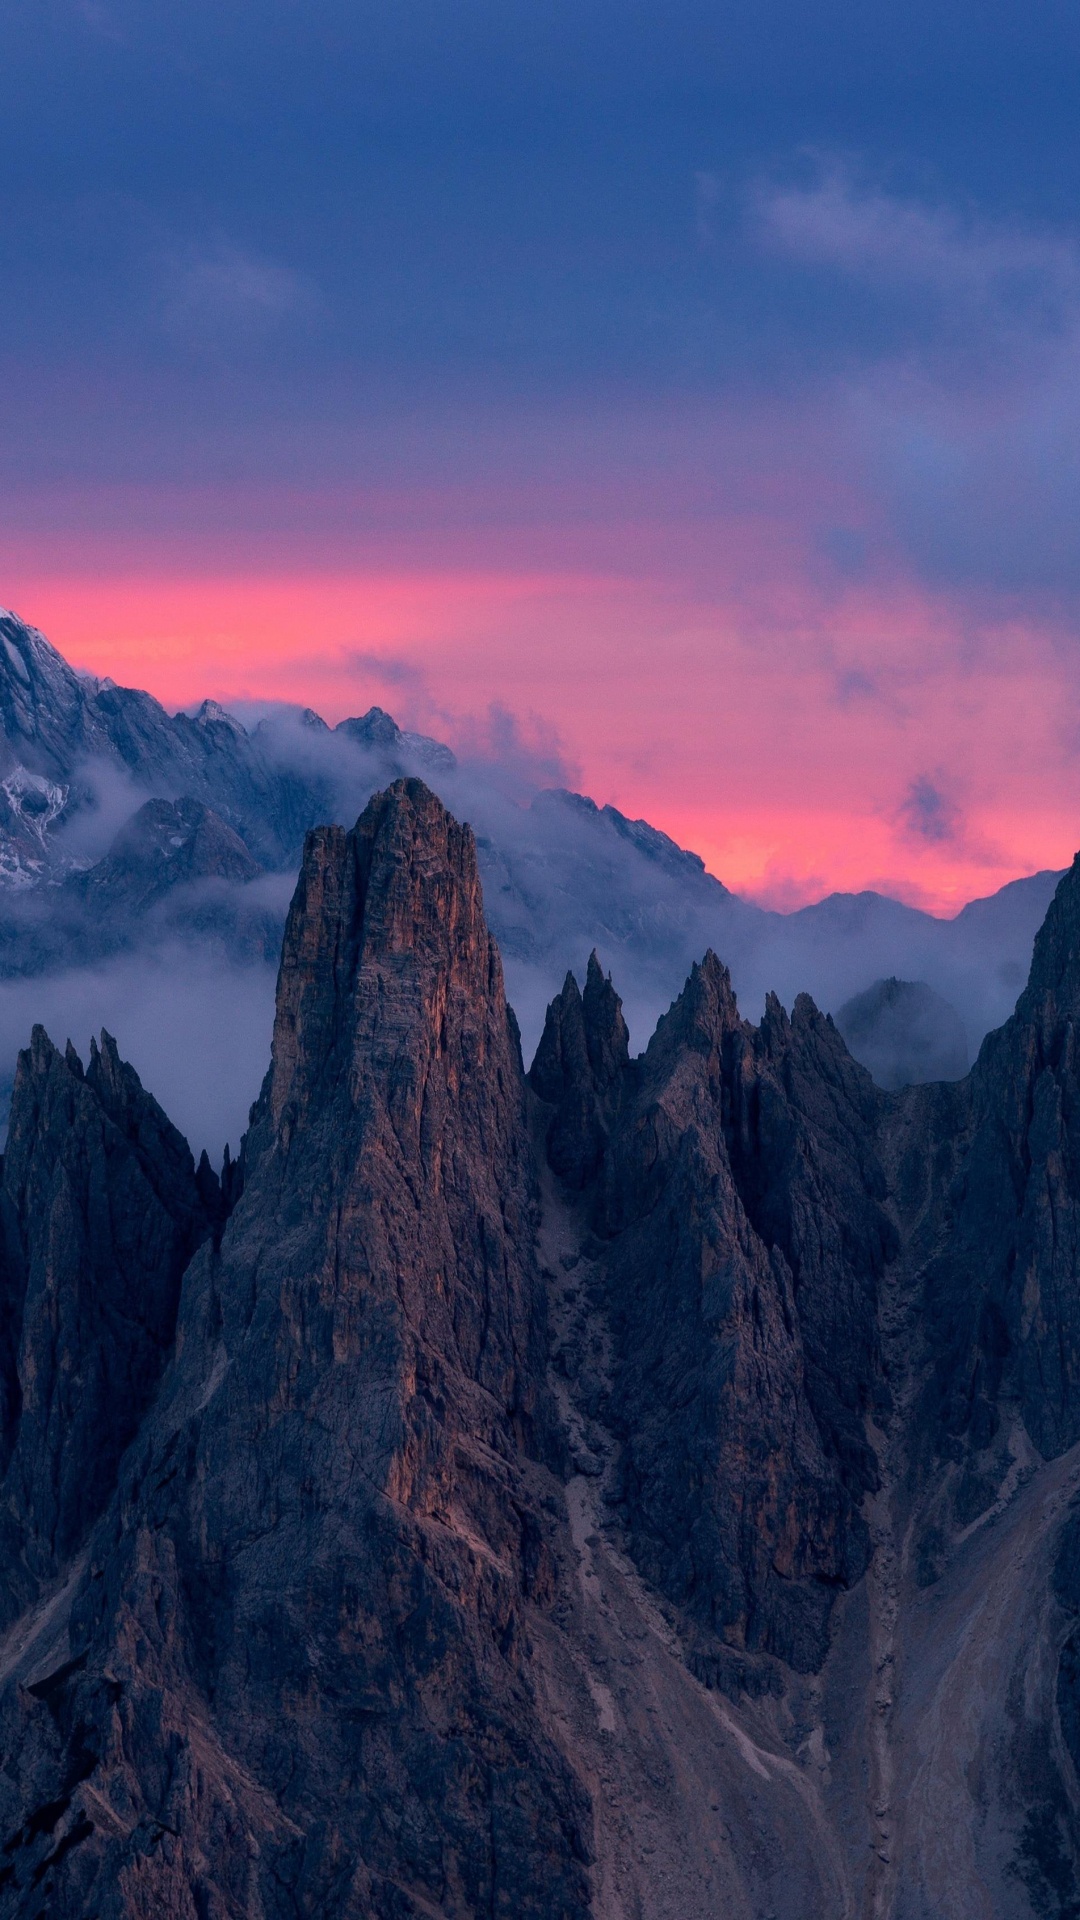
642 1486
148 858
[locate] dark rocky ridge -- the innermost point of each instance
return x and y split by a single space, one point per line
55 724
166 843
100 1212
641 1491
582 1051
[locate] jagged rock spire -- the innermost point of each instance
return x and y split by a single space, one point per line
351 1639
324 1548
606 1037
582 1052
101 1213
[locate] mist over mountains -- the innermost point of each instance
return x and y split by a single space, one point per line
645 1486
147 860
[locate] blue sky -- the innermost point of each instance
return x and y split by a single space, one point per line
559 287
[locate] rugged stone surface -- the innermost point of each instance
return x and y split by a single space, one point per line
57 726
166 843
1001 1287
743 1252
303 1678
582 1051
650 1489
100 1215
841 1341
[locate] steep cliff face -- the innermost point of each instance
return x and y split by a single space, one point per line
840 1412
648 1489
578 1068
300 1685
1004 1290
100 1215
736 1188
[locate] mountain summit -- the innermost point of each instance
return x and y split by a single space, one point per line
87 876
648 1487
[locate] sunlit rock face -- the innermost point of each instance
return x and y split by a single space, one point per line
305 1658
646 1487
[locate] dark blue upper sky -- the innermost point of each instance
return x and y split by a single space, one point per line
774 310
290 210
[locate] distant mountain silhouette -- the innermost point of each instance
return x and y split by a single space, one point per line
79 756
904 1034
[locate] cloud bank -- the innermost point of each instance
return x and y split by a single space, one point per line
182 970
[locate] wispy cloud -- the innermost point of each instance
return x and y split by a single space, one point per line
390 670
999 268
958 395
930 817
514 749
217 286
929 814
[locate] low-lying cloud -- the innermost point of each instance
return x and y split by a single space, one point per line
195 1027
185 979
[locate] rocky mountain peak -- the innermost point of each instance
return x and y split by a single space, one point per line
375 728
650 1490
606 1036
582 1052
561 1060
43 701
100 1215
904 1034
385 946
165 843
378 732
211 713
1002 1289
344 1469
705 1011
1052 994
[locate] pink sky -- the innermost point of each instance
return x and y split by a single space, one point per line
800 740
713 439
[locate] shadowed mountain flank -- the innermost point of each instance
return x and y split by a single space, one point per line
582 1049
337 1500
738 1202
839 1393
101 1212
644 1488
904 1034
167 843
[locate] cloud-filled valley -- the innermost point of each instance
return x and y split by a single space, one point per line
161 919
